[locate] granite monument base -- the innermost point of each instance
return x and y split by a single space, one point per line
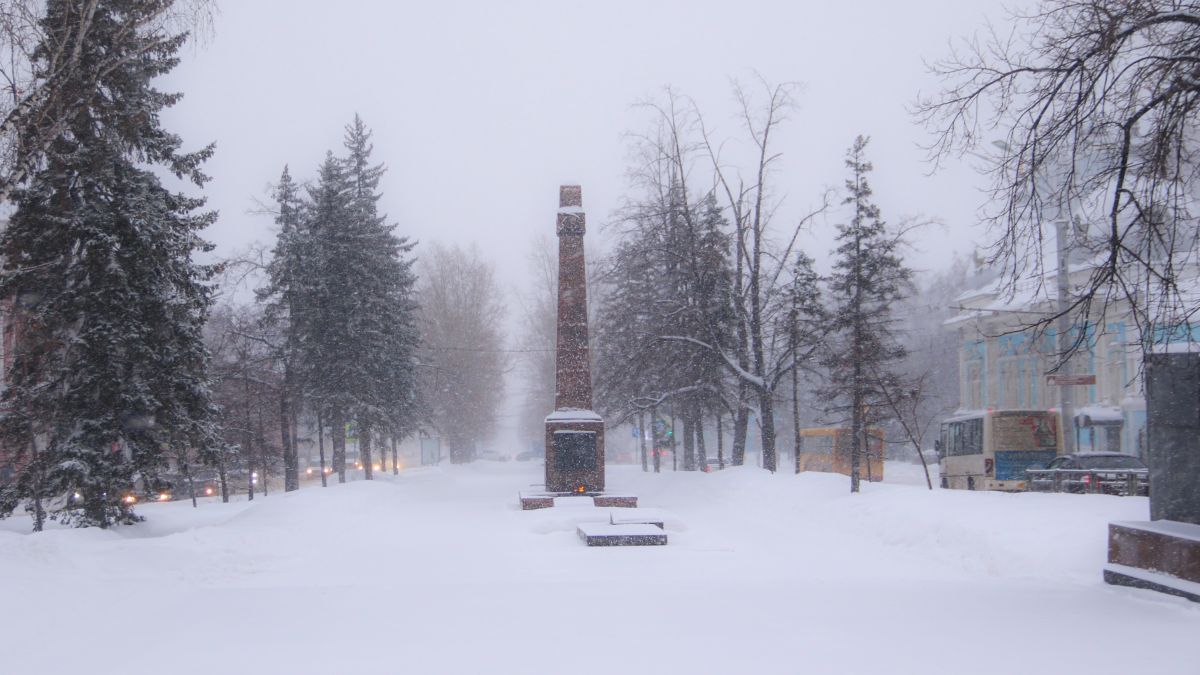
1163 554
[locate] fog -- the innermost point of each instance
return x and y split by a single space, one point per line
481 110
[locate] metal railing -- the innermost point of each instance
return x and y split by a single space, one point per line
1124 482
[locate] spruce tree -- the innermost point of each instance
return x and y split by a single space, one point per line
385 319
327 365
109 369
284 294
868 277
806 329
357 328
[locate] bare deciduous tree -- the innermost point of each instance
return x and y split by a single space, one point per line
1093 106
461 314
759 359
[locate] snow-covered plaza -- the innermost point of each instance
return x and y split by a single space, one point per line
439 571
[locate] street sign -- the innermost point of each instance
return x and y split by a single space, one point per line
1070 380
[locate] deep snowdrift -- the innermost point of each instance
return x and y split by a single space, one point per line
438 571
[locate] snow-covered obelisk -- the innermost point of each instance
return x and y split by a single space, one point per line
574 433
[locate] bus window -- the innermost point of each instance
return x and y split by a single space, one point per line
964 438
973 437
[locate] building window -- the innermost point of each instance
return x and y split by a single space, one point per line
1010 382
974 373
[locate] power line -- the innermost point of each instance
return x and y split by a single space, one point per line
489 350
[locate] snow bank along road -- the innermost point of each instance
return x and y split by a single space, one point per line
437 571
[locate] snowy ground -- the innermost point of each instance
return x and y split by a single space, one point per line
438 571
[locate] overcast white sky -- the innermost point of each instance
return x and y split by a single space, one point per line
481 109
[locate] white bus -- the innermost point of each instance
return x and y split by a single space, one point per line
991 449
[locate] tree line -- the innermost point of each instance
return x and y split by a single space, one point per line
124 376
712 310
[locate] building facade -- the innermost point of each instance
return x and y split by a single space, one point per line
1004 363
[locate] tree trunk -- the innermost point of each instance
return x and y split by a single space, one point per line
856 427
383 455
223 477
868 451
187 476
857 339
701 451
264 452
248 447
39 512
295 427
291 464
321 448
395 458
654 437
795 403
642 438
720 443
689 439
671 436
364 450
337 433
766 408
741 424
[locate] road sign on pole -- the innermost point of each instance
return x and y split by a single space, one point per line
1070 380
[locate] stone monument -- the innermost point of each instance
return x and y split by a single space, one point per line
1163 554
574 433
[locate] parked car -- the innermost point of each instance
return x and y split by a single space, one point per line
175 485
1093 472
711 464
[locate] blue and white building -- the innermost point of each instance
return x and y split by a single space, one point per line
1004 363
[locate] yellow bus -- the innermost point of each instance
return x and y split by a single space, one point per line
991 449
827 449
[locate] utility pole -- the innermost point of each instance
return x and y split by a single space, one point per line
1065 391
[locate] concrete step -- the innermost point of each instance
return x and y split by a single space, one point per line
1124 575
629 534
545 500
637 517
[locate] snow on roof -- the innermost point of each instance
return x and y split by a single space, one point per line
1100 413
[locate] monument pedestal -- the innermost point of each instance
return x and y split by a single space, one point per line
574 452
1163 554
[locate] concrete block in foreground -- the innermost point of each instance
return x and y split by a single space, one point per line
631 534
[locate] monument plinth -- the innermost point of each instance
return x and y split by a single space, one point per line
1163 554
574 432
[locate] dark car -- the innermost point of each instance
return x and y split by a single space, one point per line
1096 472
174 485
